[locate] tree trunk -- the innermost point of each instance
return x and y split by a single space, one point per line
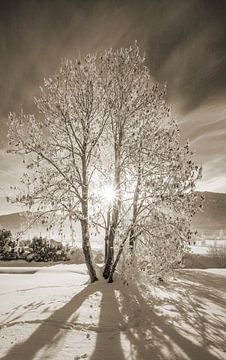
85 225
115 215
106 247
132 235
87 251
106 239
131 240
110 256
110 278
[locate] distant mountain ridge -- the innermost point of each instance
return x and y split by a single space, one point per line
213 215
211 218
17 222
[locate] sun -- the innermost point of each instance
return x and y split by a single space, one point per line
108 193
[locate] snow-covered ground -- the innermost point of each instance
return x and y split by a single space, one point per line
52 313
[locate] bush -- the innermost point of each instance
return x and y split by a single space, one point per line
5 239
7 245
42 251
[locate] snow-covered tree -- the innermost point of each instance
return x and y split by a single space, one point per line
104 150
61 145
151 175
6 241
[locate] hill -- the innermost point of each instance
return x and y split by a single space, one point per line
213 215
211 218
17 222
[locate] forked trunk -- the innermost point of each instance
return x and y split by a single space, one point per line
112 270
116 208
114 220
132 235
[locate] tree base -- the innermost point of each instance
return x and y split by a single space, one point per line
94 279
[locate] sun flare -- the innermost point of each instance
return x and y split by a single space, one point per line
108 193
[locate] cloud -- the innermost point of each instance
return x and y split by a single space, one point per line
11 170
190 68
184 41
186 50
205 128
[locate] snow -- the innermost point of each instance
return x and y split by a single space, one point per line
53 313
218 271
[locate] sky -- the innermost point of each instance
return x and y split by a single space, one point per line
185 46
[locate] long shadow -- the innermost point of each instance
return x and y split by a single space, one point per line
46 333
149 333
163 335
141 333
10 319
210 326
108 342
206 279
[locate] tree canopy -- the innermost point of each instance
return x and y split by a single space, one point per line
104 150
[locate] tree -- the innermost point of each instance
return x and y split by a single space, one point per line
61 144
152 175
104 150
6 242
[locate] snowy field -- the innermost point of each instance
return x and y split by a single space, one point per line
205 250
52 313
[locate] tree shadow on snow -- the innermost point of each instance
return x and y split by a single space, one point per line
186 329
48 333
174 326
111 324
12 319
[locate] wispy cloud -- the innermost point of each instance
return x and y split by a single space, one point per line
184 41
